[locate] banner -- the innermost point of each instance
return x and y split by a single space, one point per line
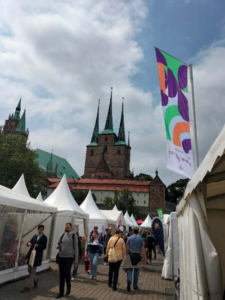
173 81
157 228
160 213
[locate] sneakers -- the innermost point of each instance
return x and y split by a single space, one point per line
94 278
59 296
105 264
73 278
91 277
68 291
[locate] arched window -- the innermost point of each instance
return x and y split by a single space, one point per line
92 152
105 149
118 151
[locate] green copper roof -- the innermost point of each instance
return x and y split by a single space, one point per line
93 144
22 124
16 115
109 120
107 131
121 134
94 138
63 166
128 139
120 143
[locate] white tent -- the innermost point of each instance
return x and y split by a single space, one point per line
21 187
135 224
68 211
114 215
128 221
39 197
165 218
147 222
96 217
115 208
19 218
171 261
201 226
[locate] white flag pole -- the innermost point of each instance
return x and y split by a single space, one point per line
195 140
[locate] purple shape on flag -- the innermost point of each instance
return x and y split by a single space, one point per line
186 145
164 99
172 84
182 77
160 57
183 106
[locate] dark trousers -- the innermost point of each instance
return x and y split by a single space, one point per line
114 269
65 264
150 252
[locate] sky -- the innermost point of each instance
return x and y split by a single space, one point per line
62 56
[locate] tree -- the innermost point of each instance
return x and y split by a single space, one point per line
176 190
143 177
124 201
80 195
16 158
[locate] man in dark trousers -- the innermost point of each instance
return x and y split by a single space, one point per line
150 243
106 239
68 254
38 243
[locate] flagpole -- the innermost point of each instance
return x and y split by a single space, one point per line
196 157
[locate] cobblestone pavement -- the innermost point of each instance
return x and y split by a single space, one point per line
151 286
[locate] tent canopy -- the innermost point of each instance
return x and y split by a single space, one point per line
128 220
147 222
39 197
134 221
91 208
165 218
12 198
64 201
116 216
20 187
115 208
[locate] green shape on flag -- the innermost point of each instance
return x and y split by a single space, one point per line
172 63
170 113
160 213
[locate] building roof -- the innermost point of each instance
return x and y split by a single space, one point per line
63 165
103 184
109 121
94 139
16 115
22 124
121 133
103 166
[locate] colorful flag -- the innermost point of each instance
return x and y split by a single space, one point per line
157 228
173 81
160 213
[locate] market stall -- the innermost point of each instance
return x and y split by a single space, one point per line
128 221
201 226
147 224
68 212
135 224
19 217
116 216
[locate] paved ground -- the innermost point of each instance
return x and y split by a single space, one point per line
150 283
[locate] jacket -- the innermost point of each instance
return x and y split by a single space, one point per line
120 247
150 241
42 244
107 237
98 250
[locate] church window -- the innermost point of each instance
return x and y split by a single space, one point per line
118 151
92 151
106 139
105 149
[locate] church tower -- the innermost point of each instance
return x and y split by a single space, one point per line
16 125
108 155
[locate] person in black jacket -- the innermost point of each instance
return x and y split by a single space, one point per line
39 243
151 243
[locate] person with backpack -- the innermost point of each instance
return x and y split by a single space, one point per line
118 244
68 254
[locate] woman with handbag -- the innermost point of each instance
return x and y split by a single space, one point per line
94 249
116 251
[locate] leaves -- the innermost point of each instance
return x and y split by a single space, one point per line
176 190
143 177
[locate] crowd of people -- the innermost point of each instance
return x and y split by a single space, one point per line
133 249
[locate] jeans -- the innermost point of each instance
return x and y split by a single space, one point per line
136 276
75 271
65 264
94 263
114 269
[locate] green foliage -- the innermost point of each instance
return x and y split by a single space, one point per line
124 201
143 177
16 158
176 190
80 195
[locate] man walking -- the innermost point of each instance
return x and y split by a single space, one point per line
38 243
68 254
150 243
134 249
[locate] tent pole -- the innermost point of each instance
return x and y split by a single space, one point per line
195 152
52 232
20 238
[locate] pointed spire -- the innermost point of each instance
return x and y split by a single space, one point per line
22 124
16 115
156 172
128 139
121 134
94 138
109 120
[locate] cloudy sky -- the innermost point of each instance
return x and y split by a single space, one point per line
62 56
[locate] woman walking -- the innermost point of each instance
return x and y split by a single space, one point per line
94 249
118 244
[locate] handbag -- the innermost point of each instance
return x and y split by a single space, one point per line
135 258
32 258
112 254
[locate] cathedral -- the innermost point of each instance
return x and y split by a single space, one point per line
16 124
108 154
